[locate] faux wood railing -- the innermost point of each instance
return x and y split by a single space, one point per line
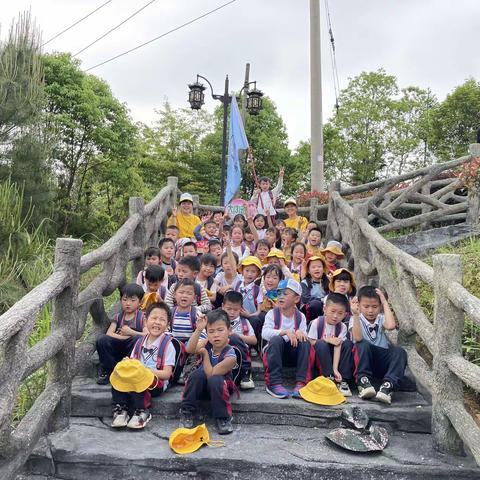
377 259
68 346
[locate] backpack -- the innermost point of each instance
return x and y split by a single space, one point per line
321 328
193 317
137 321
277 318
245 328
198 293
255 290
162 349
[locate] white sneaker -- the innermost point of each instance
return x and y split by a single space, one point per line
344 389
384 393
139 419
247 383
120 417
365 389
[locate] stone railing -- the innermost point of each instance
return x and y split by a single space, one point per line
399 274
68 345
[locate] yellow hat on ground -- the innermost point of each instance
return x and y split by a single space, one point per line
188 440
335 274
322 391
316 257
276 252
333 249
250 260
131 375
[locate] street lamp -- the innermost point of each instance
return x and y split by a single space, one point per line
196 99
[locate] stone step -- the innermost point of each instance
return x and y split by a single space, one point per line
409 411
89 449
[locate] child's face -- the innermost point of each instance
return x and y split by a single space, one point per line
248 237
232 309
217 217
152 260
157 322
287 298
342 286
330 257
189 251
314 238
216 251
217 334
369 308
207 270
287 237
185 295
334 313
271 280
237 235
250 273
264 185
259 223
226 265
262 251
167 251
274 261
130 304
211 229
298 254
186 207
238 222
271 238
315 269
153 286
183 272
172 233
291 210
280 226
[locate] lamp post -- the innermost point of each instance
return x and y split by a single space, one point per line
196 97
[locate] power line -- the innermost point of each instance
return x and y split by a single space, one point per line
114 28
333 57
77 22
162 35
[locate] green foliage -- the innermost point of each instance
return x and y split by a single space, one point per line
456 120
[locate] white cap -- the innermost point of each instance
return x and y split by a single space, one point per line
185 197
291 284
291 201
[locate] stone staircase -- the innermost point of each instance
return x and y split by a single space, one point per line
273 439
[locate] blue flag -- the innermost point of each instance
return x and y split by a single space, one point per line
238 140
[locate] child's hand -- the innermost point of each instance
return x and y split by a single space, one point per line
301 336
354 306
170 271
380 293
244 313
292 337
333 341
201 322
202 352
281 173
337 375
174 211
125 330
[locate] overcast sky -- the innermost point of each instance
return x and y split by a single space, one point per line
427 43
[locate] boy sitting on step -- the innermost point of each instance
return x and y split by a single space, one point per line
333 350
373 354
132 386
213 378
285 330
122 333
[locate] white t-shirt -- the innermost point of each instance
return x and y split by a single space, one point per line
328 330
148 355
287 323
237 327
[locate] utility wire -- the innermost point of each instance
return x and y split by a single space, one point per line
162 35
333 57
77 22
114 28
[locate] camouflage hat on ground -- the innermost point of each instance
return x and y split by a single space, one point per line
355 417
374 439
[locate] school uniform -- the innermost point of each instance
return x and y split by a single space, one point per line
279 351
241 326
265 201
216 387
252 297
156 355
374 356
111 350
323 352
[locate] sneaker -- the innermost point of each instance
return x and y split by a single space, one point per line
296 390
253 353
277 391
181 378
186 419
103 377
224 425
365 388
344 389
120 417
384 394
247 383
139 419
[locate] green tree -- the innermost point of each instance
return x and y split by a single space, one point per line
456 120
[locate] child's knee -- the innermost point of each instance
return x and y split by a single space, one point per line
321 347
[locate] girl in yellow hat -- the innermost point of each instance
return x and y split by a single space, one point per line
314 287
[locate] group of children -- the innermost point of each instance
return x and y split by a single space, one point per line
216 293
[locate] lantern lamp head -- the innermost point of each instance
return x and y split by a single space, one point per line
254 101
196 96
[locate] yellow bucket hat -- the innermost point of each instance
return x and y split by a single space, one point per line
336 273
130 375
251 260
322 391
333 249
189 440
316 257
276 252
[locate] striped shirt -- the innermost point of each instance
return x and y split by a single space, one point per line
182 326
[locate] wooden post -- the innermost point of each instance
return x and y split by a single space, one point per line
68 252
173 182
473 211
425 207
137 205
359 244
332 232
448 325
196 201
313 209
